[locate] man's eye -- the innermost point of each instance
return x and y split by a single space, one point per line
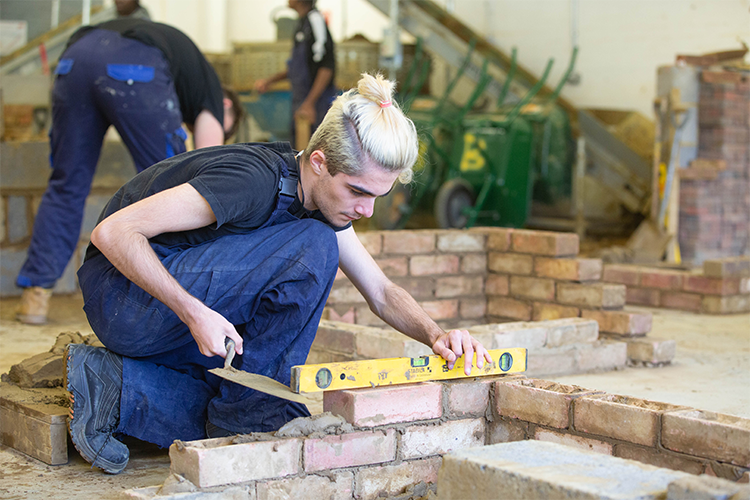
356 193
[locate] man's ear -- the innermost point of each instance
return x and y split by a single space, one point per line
227 103
318 162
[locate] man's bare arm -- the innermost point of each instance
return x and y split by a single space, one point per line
399 309
123 239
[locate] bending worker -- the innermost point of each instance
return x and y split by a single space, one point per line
311 70
144 78
242 242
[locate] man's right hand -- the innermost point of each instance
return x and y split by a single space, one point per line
261 85
210 329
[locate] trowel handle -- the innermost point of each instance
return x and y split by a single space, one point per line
229 344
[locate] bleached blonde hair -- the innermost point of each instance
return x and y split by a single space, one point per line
366 123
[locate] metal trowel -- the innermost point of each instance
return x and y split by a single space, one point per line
257 382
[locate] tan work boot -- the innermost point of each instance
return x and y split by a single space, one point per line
34 305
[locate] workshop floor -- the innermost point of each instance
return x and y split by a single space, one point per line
709 372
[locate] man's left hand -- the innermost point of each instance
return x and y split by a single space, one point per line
455 343
306 111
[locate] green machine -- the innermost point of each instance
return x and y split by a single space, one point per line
482 168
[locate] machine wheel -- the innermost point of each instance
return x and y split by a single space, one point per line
452 198
390 210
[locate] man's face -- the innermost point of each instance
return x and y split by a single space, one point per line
125 7
344 198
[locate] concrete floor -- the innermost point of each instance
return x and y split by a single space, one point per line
710 372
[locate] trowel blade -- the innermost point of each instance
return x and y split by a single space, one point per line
261 383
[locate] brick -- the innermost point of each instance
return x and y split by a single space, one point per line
620 322
663 279
510 263
532 288
470 398
348 316
423 265
214 462
623 274
472 309
571 331
349 450
392 480
725 305
620 417
366 317
394 266
714 286
603 355
497 284
568 269
474 263
419 288
537 401
499 239
593 295
705 488
643 296
377 406
651 350
408 242
721 268
441 309
505 430
545 243
420 441
455 286
334 486
372 241
460 241
552 361
345 294
544 311
658 458
744 286
727 471
707 434
507 335
332 334
508 308
580 442
375 342
681 300
18 226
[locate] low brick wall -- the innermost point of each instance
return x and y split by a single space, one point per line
390 447
722 286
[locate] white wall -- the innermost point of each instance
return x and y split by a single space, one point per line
622 42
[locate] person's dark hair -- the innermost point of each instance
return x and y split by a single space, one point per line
237 109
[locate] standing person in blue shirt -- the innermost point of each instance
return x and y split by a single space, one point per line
146 79
311 70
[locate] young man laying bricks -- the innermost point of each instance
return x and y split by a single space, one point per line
239 242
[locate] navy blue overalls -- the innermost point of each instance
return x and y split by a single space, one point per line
102 79
271 283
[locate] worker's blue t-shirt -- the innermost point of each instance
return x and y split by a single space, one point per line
239 181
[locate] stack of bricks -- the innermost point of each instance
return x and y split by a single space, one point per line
399 434
722 286
715 189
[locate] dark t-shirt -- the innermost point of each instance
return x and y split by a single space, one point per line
196 83
239 181
318 43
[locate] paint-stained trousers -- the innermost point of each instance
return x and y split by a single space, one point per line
272 284
102 79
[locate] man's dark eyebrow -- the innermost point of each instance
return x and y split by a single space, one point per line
368 193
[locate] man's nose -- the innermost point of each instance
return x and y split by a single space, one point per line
366 208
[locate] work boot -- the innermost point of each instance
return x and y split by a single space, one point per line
34 305
93 379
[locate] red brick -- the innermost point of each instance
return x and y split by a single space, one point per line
497 284
377 406
423 265
597 295
568 269
660 458
408 242
537 401
545 311
580 442
499 239
706 434
713 286
620 417
663 279
457 240
455 286
643 296
532 288
390 481
441 309
436 439
621 322
394 266
545 243
472 308
474 263
508 308
680 300
372 241
626 275
349 450
510 263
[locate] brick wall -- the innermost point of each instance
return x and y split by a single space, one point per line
715 189
722 286
387 447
